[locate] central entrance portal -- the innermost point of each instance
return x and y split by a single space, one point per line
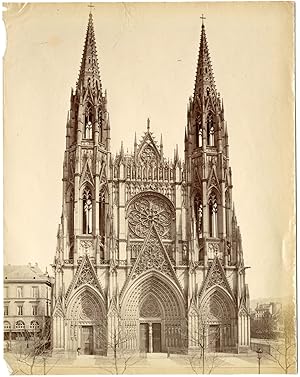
150 337
87 340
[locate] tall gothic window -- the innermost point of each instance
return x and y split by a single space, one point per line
87 219
198 214
227 209
200 137
199 131
210 130
100 124
71 224
88 125
102 214
213 216
71 214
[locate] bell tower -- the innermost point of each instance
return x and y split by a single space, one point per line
85 162
209 174
82 242
215 247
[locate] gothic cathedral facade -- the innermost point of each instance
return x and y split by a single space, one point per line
149 252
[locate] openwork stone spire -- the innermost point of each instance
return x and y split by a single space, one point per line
205 82
89 74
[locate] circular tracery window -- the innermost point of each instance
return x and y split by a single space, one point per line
148 155
148 210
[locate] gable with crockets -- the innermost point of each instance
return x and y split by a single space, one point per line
85 275
153 256
216 277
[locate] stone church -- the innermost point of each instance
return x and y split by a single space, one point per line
149 252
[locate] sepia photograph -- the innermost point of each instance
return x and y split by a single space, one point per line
149 188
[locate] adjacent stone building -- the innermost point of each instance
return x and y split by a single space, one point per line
27 300
148 247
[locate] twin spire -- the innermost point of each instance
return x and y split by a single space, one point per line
89 74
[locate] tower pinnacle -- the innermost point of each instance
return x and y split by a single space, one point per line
89 74
91 6
205 82
203 18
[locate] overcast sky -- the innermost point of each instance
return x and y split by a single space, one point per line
148 55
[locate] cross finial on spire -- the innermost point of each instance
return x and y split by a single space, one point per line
203 18
91 6
148 124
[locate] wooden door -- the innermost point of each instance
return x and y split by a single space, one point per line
156 337
214 338
144 337
87 340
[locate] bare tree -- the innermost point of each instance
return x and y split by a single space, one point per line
203 359
32 350
266 326
119 356
283 350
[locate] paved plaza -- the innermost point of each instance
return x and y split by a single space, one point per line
151 364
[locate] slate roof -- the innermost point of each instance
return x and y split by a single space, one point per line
24 272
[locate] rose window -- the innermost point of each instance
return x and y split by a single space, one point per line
147 211
148 155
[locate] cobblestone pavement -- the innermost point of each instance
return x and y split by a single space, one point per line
152 364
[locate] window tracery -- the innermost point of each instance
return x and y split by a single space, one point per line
148 155
216 309
87 309
150 308
150 210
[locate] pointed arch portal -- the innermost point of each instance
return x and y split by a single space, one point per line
218 318
86 324
153 314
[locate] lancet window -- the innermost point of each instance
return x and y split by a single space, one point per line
198 214
71 224
199 132
213 215
88 125
71 213
87 220
200 137
102 214
227 209
100 122
210 130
